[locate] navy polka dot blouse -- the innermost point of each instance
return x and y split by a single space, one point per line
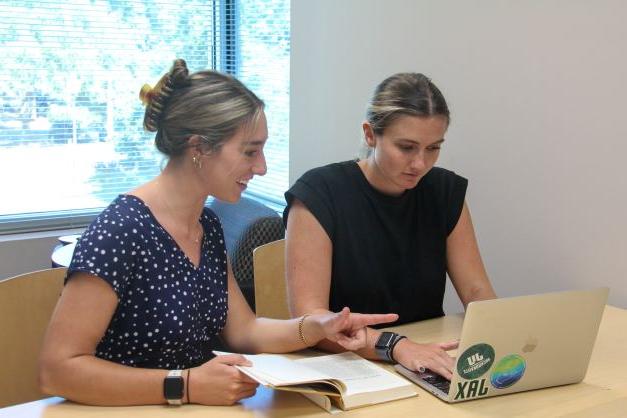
168 310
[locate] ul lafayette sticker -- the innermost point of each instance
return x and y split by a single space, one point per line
475 361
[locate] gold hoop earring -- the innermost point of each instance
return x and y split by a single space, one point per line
197 161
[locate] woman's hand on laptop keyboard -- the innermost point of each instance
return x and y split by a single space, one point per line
432 356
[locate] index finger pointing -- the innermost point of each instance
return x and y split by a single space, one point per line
364 320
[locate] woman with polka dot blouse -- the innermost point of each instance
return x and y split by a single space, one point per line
150 284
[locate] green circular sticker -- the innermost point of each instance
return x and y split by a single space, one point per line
475 361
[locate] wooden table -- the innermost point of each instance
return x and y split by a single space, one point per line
603 393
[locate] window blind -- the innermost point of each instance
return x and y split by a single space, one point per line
263 64
71 135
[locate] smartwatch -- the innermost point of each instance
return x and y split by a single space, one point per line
385 344
173 386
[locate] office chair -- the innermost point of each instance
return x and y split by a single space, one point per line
247 224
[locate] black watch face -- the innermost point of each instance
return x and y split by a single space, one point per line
385 339
173 387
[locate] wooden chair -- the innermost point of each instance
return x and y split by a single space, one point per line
26 305
270 286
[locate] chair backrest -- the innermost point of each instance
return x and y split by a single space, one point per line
270 285
237 217
26 305
262 231
247 224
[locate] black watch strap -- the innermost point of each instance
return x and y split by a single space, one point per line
391 350
385 344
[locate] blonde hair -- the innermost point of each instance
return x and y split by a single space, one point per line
207 103
404 94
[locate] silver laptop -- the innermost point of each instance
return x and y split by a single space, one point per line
515 344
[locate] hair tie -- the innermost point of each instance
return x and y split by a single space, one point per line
151 95
145 94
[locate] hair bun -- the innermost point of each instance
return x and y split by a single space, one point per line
179 74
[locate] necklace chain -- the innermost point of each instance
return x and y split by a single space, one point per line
197 239
198 236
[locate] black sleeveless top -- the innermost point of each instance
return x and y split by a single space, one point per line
389 252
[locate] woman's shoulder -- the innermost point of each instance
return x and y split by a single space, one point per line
125 204
108 246
329 174
125 223
123 211
129 212
445 189
439 178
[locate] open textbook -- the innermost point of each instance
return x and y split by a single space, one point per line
343 380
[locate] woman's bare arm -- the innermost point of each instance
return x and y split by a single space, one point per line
246 333
68 366
464 264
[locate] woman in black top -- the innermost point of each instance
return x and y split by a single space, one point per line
380 234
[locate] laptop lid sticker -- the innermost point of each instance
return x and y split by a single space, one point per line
471 389
508 370
475 361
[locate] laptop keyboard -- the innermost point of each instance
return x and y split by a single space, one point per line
436 380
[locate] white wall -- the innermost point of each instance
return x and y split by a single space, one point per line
538 94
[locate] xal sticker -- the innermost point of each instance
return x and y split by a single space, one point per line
508 371
471 389
475 361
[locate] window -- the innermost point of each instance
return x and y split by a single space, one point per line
263 64
71 134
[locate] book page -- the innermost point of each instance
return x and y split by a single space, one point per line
359 375
359 381
278 370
